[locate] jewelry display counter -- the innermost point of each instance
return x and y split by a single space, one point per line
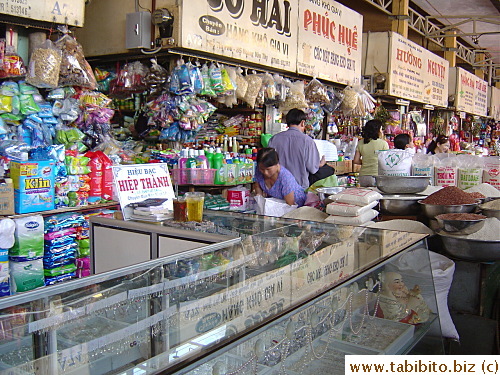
259 303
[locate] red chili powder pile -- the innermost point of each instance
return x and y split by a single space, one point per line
449 195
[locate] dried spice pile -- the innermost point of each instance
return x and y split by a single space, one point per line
476 195
461 216
449 195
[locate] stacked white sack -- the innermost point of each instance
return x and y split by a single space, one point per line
353 206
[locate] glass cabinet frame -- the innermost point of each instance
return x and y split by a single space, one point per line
171 312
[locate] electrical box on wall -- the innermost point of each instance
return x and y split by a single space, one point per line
138 33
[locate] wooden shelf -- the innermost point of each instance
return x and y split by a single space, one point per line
64 210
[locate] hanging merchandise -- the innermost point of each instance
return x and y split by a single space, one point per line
207 89
316 92
241 84
230 98
215 74
295 98
44 66
254 84
357 101
103 78
75 70
13 64
421 127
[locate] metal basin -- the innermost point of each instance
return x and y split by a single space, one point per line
325 192
400 204
460 227
433 210
476 250
490 212
402 184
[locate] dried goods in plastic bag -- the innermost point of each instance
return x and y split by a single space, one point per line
75 70
241 84
254 84
316 92
13 64
44 66
295 98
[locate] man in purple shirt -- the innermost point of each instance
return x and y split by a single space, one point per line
298 152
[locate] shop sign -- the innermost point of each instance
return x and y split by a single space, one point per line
495 103
471 93
260 32
70 12
416 73
329 41
138 182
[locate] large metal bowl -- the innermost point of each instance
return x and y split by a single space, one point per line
400 204
402 184
468 249
433 210
325 192
460 227
490 212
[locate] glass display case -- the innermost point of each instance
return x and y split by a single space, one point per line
272 300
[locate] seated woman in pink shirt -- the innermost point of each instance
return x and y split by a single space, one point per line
274 180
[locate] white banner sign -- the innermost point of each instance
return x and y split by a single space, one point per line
260 32
139 182
416 73
69 12
471 93
495 103
329 41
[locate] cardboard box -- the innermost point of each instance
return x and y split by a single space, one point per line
341 167
33 185
6 197
238 198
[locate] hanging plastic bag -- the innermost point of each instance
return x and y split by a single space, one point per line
44 66
13 64
295 98
316 92
254 84
75 70
241 84
207 84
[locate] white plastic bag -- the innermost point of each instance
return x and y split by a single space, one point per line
272 206
352 220
442 273
359 197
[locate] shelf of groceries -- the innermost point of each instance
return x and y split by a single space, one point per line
109 205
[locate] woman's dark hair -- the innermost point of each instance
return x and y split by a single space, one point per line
401 141
295 117
267 157
440 139
371 130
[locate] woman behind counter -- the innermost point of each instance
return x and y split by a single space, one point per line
441 145
366 152
274 180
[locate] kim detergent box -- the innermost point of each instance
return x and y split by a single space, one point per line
33 185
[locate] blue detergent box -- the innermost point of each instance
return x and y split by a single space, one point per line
34 182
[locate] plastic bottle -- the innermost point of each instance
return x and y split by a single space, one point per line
209 154
201 160
182 165
217 165
235 146
190 165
